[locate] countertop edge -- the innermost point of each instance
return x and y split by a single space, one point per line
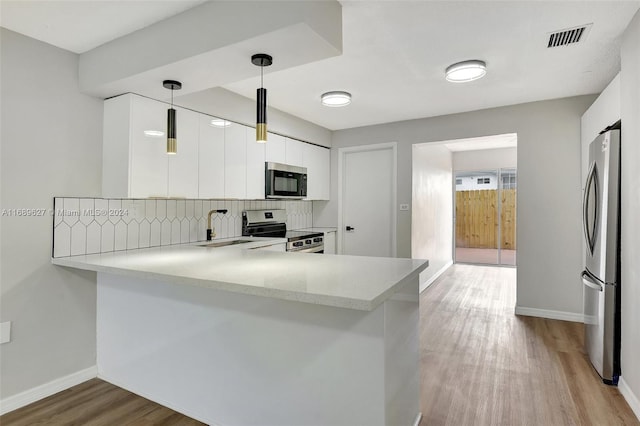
315 299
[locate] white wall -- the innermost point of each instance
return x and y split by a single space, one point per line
51 145
630 199
432 212
549 196
223 103
485 159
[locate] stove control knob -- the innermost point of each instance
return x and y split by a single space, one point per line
307 242
298 244
317 240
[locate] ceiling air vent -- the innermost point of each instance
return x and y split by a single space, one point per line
568 36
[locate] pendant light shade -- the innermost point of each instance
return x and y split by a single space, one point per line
262 60
172 143
172 133
261 115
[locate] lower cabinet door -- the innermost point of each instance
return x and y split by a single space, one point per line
330 242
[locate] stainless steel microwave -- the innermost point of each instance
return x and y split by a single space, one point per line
285 181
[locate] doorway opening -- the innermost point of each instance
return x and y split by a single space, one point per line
485 216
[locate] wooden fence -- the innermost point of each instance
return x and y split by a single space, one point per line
477 219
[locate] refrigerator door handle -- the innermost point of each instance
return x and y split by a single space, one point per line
587 202
588 281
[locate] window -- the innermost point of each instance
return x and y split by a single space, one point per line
508 181
458 181
484 181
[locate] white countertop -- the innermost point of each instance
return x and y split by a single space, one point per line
354 282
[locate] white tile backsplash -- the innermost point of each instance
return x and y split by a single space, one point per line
107 238
94 232
78 239
62 240
98 225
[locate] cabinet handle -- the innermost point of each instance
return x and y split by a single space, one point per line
349 228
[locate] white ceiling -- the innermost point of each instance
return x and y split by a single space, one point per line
394 52
81 25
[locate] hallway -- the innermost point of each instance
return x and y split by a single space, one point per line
483 365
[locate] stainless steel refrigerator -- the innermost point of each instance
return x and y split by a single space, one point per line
601 276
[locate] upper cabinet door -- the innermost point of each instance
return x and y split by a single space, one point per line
235 153
294 152
317 160
255 166
210 159
149 162
275 149
183 170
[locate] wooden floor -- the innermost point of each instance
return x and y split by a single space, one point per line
95 403
482 365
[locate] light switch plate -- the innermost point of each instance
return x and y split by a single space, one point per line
404 207
5 332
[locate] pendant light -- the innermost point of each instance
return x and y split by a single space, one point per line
172 141
262 60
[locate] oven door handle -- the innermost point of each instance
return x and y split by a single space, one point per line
316 249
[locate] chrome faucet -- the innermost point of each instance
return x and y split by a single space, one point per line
211 232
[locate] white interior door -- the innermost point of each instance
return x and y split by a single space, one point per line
368 183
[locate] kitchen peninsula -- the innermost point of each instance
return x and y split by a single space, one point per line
236 336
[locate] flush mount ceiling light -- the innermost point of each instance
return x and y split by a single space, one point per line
336 99
154 133
466 71
261 60
172 142
219 122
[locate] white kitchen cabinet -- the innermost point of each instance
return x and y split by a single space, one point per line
255 166
330 242
294 152
183 171
317 160
211 159
235 161
135 163
275 148
148 162
211 162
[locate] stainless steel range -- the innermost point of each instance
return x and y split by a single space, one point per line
272 223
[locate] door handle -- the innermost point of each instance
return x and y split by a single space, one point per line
586 280
349 228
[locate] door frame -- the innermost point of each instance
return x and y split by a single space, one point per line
342 152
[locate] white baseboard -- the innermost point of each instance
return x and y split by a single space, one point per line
39 392
629 396
431 280
546 313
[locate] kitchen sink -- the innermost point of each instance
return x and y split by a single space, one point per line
225 243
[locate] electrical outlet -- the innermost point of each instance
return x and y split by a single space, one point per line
404 207
5 332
